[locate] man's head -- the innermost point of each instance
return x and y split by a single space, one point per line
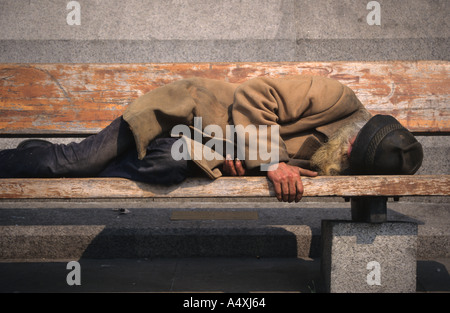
333 157
384 147
378 146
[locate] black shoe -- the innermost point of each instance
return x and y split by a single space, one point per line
33 143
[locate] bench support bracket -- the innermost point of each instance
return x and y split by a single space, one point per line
369 209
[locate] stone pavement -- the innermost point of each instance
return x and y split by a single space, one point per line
191 275
146 247
151 229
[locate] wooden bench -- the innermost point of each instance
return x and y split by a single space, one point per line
60 100
77 100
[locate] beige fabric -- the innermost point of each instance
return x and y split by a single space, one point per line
159 110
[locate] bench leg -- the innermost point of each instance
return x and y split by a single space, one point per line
369 209
369 257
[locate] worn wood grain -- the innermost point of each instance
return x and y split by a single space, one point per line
235 187
84 98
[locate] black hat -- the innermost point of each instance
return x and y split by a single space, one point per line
384 147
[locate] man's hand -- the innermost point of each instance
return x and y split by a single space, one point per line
233 168
287 181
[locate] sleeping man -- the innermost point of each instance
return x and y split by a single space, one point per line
283 128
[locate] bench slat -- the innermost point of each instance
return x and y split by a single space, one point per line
343 186
84 98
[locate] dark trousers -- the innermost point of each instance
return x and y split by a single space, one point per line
110 153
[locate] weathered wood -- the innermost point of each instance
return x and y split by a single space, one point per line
84 98
343 186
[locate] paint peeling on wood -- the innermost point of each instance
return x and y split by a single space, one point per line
236 187
84 98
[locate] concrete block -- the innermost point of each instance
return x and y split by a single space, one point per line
368 257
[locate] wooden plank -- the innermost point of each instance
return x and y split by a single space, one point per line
84 98
343 186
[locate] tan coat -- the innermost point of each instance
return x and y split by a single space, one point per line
307 109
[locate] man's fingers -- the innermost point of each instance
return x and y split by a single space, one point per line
305 172
285 189
299 186
228 166
299 183
231 168
239 168
277 188
292 188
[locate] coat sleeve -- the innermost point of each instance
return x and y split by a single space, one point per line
256 104
159 110
294 105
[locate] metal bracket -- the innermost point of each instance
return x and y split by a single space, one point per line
369 209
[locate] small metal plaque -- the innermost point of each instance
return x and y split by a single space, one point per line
214 215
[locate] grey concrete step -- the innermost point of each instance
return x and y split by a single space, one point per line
227 31
222 20
64 230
